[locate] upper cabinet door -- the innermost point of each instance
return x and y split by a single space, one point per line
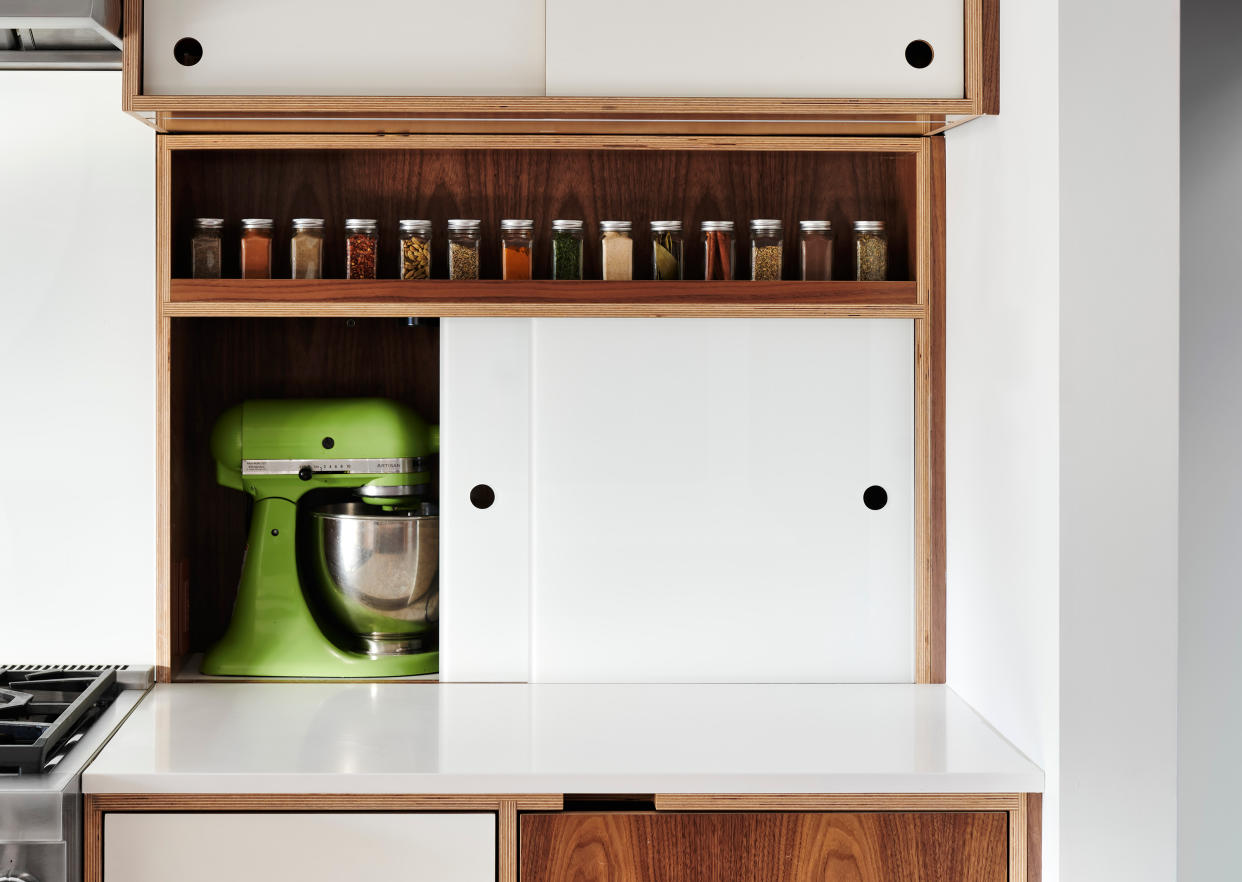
748 49
323 47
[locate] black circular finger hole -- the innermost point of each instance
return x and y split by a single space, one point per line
875 497
482 496
188 51
919 53
329 443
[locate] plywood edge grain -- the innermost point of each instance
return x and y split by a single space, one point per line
830 802
936 559
1034 837
524 309
542 142
131 55
321 802
507 841
92 839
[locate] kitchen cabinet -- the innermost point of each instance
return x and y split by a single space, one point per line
290 847
895 67
780 49
961 846
675 507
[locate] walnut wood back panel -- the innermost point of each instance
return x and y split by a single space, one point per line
219 362
813 847
634 185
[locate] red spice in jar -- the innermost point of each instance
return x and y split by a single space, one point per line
360 248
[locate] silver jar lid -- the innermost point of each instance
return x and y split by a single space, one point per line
567 225
726 226
615 226
815 225
516 224
308 223
766 223
414 226
209 222
256 223
866 226
666 226
361 224
461 223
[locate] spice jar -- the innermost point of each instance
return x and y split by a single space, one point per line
815 245
870 251
414 256
767 244
567 250
463 249
516 250
717 250
256 248
306 248
616 251
361 245
205 248
667 251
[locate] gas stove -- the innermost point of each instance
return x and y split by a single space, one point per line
53 720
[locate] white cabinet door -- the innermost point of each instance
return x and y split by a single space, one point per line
695 506
265 847
744 48
364 47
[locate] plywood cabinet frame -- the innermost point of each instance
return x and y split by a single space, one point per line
1023 810
926 308
240 113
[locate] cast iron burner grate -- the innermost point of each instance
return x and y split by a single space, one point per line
45 710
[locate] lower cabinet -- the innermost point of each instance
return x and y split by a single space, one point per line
773 847
288 847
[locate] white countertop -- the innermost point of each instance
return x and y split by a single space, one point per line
551 738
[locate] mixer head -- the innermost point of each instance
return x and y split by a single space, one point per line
287 447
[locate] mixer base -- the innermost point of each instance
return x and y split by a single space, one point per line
380 645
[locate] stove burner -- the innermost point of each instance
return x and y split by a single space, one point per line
44 711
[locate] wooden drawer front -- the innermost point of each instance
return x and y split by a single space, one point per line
819 847
277 847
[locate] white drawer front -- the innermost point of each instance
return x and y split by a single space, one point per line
363 47
295 847
744 48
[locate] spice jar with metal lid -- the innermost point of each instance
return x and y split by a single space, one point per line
463 249
414 255
516 249
815 247
361 247
567 250
616 250
870 251
205 248
718 250
306 248
256 248
667 251
767 247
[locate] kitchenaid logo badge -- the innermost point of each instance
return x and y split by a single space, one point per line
329 466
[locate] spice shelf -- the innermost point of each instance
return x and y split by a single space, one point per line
436 297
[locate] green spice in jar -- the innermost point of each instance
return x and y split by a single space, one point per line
567 250
463 250
870 251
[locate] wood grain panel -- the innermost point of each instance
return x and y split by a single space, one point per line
989 95
690 185
828 847
1034 837
216 363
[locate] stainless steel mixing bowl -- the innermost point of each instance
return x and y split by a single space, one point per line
376 571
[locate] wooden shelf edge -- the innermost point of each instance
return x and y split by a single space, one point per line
282 297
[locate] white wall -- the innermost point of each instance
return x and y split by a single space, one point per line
1119 415
1210 604
1002 399
1062 415
77 372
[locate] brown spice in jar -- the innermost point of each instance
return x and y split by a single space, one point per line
618 254
766 263
415 258
463 262
816 258
515 262
719 244
256 253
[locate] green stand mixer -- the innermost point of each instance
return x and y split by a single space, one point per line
340 573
